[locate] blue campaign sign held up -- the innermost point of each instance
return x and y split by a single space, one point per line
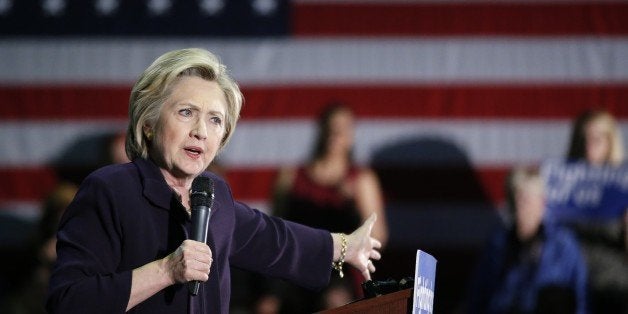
424 283
577 191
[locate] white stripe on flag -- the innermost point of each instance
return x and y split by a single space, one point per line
274 143
466 60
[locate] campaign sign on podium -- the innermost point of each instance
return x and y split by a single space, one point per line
424 283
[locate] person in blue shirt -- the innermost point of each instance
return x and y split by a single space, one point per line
531 265
596 140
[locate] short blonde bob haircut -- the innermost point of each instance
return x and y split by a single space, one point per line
152 89
526 177
577 146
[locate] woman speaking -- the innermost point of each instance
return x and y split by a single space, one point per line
123 243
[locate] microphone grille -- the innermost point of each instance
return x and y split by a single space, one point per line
202 192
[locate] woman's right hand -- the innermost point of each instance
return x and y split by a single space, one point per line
191 261
361 248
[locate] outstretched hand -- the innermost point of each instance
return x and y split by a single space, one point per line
362 248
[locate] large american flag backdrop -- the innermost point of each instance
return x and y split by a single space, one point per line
449 94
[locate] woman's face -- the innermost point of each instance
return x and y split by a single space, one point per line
190 128
340 132
597 142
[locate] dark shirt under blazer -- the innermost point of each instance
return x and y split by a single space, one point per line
125 216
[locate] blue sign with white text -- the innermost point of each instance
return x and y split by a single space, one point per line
424 283
577 191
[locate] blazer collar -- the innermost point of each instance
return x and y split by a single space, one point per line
155 188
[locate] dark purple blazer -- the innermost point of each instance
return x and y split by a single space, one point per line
125 216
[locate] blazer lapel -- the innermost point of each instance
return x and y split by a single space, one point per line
155 188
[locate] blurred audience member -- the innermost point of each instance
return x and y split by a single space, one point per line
531 265
330 190
596 139
29 297
332 193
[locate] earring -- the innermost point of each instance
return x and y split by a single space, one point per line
149 135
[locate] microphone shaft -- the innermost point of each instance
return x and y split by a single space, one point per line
200 221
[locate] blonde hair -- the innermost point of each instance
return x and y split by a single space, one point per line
577 147
153 88
528 177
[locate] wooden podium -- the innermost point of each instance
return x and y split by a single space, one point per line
396 302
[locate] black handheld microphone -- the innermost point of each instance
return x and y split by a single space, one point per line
201 199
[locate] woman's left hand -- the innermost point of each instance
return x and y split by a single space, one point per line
362 248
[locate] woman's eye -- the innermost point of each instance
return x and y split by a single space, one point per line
216 120
185 112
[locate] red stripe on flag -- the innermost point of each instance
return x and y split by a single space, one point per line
33 184
26 184
493 179
460 18
375 101
64 102
438 101
256 183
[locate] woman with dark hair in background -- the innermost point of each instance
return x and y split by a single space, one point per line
329 192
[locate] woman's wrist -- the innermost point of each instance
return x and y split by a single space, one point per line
340 252
148 280
165 271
